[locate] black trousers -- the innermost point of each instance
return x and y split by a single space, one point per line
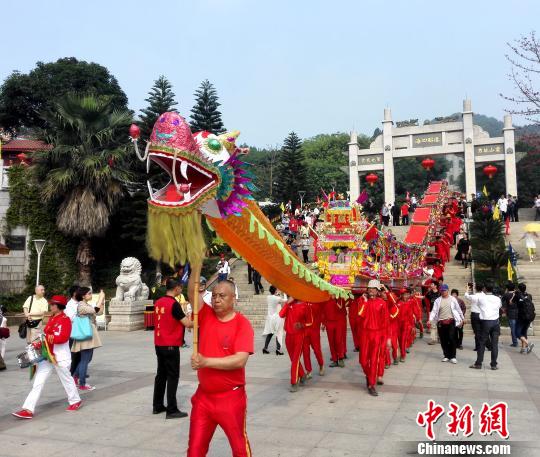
75 359
447 335
489 330
305 253
386 220
459 337
168 374
268 339
250 274
405 220
257 285
476 325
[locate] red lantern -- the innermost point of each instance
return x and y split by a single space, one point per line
134 131
372 178
22 156
490 171
428 163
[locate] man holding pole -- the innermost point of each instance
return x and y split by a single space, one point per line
220 357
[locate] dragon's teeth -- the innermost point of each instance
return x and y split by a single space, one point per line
150 190
183 168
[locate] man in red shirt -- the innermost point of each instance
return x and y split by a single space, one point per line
225 344
312 338
169 323
405 214
297 319
406 306
334 314
374 340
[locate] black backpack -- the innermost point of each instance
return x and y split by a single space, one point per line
527 307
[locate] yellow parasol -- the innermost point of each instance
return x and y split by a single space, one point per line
533 227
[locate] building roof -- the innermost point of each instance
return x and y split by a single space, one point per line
24 145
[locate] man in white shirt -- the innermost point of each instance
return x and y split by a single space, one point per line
205 293
489 305
472 300
223 268
503 206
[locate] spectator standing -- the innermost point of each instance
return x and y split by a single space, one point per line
257 283
71 312
537 207
431 296
223 268
526 315
447 314
405 214
511 311
475 312
502 203
385 213
3 341
511 208
56 332
490 328
395 214
170 321
35 307
86 347
464 250
304 244
463 307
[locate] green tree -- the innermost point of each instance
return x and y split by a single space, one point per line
528 169
24 96
291 175
487 241
410 176
160 100
205 114
84 173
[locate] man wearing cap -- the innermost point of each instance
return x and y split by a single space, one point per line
374 341
56 337
447 314
223 268
206 295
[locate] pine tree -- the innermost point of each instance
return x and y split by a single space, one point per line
205 114
160 100
291 176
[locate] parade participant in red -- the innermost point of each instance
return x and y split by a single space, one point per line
334 314
169 323
374 341
438 270
417 314
297 319
56 338
312 338
393 328
354 321
406 306
225 344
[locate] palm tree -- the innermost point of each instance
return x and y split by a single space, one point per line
85 172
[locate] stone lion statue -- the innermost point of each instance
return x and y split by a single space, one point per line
130 286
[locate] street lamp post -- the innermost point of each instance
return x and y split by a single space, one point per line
39 245
301 193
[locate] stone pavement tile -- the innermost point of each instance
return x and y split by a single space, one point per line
28 446
277 451
348 442
326 452
292 435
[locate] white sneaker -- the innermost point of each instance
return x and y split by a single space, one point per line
444 359
454 361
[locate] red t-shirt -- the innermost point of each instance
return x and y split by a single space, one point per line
221 339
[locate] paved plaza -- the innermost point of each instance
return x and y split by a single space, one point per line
332 416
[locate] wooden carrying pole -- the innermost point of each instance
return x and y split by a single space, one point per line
196 272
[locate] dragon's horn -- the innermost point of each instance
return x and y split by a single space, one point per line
228 139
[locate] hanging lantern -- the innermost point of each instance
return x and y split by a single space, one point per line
428 163
371 179
134 131
490 171
23 159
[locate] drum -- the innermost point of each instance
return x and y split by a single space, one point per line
31 355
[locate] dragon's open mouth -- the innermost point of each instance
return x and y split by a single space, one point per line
193 180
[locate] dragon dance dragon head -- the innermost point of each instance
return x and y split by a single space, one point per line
206 176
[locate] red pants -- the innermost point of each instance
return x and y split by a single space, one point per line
394 337
343 333
355 327
372 354
226 409
404 337
334 331
295 345
312 339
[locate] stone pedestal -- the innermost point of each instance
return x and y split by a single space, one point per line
127 316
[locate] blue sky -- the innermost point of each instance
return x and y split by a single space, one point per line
308 66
